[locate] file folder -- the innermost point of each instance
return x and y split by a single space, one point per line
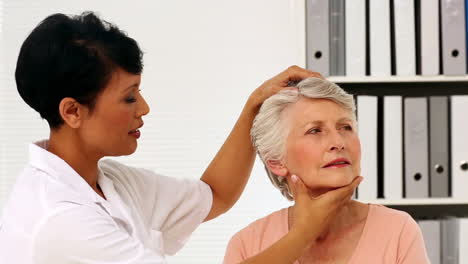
453 37
432 236
317 36
450 241
405 40
355 16
393 147
459 146
463 254
367 126
337 37
379 27
439 146
416 147
429 38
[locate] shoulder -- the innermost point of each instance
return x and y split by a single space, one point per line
398 224
387 215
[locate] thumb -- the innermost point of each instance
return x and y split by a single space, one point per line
299 189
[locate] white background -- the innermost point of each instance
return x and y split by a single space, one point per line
202 60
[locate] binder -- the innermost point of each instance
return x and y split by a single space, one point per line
439 146
453 37
459 146
429 26
337 37
379 27
393 147
355 37
463 254
367 126
432 236
450 241
317 39
416 147
405 40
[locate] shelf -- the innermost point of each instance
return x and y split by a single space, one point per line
415 202
397 79
427 208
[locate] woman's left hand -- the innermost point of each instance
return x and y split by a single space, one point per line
280 82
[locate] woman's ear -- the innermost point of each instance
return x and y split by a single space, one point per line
277 168
71 112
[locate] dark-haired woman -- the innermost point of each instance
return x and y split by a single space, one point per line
82 75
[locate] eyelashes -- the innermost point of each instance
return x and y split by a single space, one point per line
315 131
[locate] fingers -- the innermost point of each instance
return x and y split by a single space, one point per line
344 193
298 187
296 73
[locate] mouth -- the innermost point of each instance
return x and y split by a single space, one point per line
338 163
136 132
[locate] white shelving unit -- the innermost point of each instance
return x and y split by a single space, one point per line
420 86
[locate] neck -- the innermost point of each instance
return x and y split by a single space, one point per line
348 216
68 147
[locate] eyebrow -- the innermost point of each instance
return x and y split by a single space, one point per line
320 122
133 86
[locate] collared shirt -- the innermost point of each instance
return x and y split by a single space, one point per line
53 216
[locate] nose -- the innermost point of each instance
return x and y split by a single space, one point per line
336 142
143 108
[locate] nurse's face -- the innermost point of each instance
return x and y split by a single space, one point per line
322 146
112 128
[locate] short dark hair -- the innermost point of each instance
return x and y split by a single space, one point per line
72 56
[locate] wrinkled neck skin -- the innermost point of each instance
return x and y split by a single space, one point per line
349 216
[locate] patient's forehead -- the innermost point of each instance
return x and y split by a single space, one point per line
307 110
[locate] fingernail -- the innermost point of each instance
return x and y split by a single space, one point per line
294 178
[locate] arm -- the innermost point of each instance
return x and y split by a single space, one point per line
226 178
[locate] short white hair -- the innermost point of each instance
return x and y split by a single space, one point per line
269 132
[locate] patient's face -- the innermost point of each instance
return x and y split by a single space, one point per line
322 146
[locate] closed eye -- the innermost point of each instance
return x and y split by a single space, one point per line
348 128
313 131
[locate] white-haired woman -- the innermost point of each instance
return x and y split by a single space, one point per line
311 134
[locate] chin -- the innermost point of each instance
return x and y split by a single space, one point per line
336 179
124 151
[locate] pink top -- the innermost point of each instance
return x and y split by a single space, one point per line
389 237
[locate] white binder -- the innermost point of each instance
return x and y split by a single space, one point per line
459 142
463 254
405 41
432 236
379 26
355 37
317 39
453 37
367 126
429 37
393 147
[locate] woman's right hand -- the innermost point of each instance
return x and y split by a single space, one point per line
312 215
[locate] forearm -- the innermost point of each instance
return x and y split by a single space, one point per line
285 251
230 169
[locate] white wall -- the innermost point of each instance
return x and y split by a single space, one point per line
202 60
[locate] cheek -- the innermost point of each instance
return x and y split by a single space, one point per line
355 152
303 154
119 118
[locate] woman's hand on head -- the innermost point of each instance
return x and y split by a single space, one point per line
280 82
312 215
